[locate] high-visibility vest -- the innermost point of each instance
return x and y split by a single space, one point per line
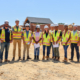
51 35
46 40
17 35
74 38
27 39
56 37
65 37
3 35
40 36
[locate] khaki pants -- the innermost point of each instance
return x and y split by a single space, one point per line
26 46
15 41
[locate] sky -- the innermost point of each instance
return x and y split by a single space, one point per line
59 11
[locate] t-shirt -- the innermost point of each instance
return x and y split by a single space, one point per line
60 33
7 35
74 32
37 34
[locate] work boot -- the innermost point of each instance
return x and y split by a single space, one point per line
37 57
58 58
23 58
47 57
53 57
64 60
28 57
0 61
71 59
34 57
7 60
13 59
43 58
77 60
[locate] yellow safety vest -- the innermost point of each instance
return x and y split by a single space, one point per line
27 39
17 35
40 42
3 35
46 40
56 37
74 38
65 37
51 35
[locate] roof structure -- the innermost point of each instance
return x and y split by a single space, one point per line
39 20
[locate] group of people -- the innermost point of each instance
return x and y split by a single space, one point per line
49 38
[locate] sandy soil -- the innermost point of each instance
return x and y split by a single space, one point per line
39 70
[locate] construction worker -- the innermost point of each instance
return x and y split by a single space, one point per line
17 35
37 41
46 41
51 45
66 35
5 39
27 36
57 34
75 38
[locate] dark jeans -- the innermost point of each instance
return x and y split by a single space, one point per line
51 45
48 50
65 50
6 46
73 45
36 51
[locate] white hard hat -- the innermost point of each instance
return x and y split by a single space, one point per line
52 25
46 26
55 24
37 26
6 21
17 20
27 24
75 26
65 24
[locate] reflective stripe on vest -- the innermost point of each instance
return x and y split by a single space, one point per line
74 38
46 40
3 35
65 37
17 35
56 37
27 40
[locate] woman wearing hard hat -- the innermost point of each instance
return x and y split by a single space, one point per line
37 41
46 41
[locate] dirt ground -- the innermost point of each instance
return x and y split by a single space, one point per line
39 70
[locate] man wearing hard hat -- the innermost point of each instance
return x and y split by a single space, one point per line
27 36
51 45
66 35
37 41
57 34
46 39
75 38
17 35
5 39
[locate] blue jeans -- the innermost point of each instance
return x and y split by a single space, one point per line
51 45
36 51
6 46
48 50
73 45
65 50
